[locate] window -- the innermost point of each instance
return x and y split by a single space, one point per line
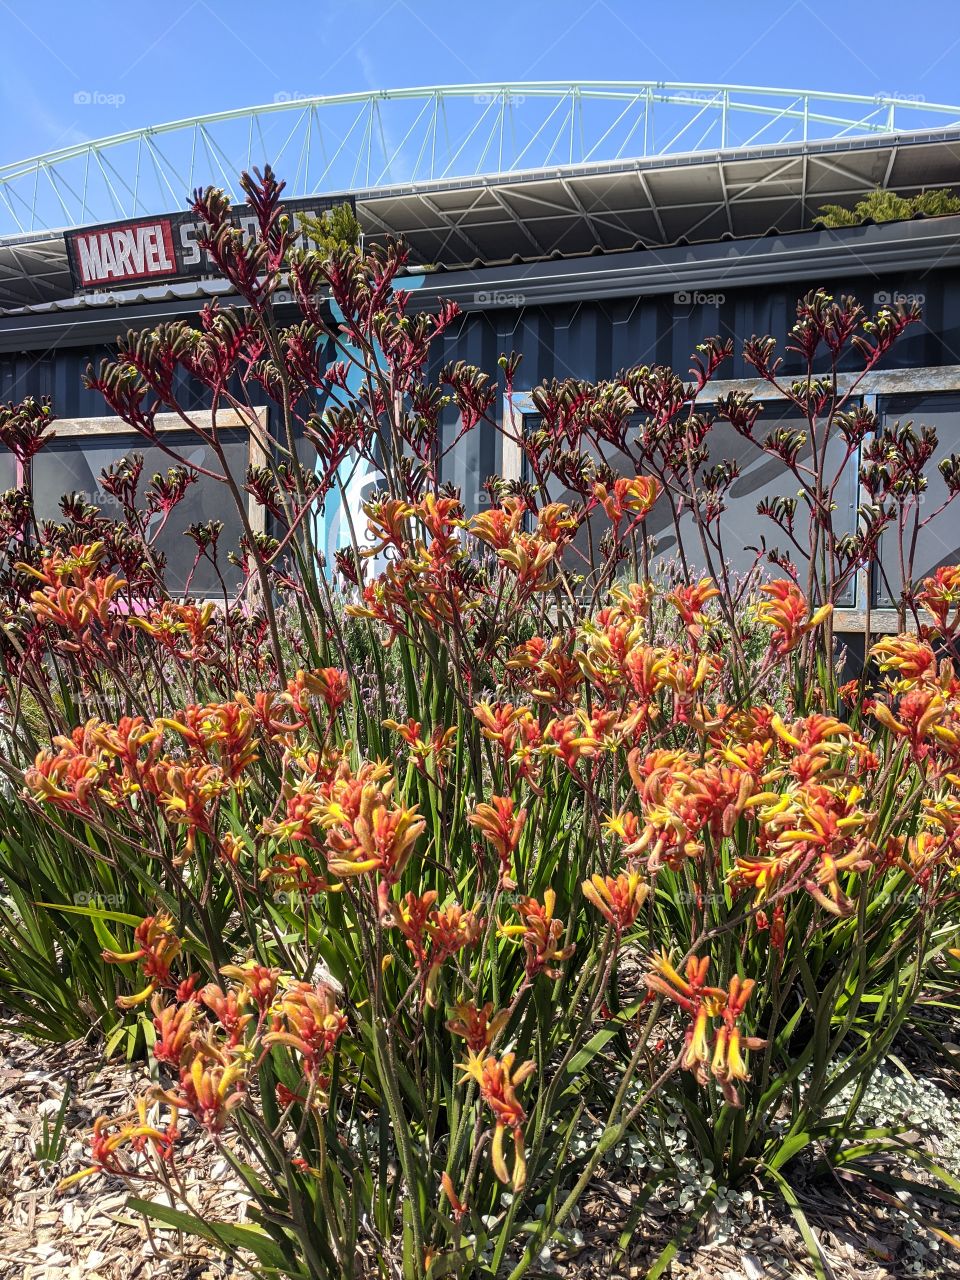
741 529
83 448
939 542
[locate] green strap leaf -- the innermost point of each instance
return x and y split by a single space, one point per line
803 1226
224 1234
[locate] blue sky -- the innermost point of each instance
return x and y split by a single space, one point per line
152 61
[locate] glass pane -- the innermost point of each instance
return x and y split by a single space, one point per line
939 542
73 465
741 528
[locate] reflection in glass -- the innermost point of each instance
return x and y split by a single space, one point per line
74 464
939 542
742 531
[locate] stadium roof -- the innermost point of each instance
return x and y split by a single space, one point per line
475 219
652 202
383 138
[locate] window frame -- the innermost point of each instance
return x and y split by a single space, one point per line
102 428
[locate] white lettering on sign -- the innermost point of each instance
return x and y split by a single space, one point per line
91 267
188 243
191 254
124 253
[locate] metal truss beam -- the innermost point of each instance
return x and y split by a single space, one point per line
394 137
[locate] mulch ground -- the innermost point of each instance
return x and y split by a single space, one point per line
88 1233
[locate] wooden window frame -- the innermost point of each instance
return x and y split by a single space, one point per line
168 423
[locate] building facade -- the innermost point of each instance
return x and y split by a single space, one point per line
585 270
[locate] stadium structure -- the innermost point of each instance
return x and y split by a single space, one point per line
590 226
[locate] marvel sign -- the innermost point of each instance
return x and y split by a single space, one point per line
112 255
164 248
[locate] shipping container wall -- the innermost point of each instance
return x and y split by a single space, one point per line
59 375
596 339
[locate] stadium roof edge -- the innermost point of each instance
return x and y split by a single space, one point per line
882 252
679 160
569 211
675 160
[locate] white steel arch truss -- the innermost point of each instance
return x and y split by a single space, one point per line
363 141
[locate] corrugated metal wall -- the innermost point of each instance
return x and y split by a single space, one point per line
589 340
584 340
59 374
595 339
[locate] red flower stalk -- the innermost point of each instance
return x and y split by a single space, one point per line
432 935
540 933
788 615
478 1027
329 684
174 1025
628 497
501 828
498 1080
618 899
134 1132
157 947
940 596
724 1060
307 1019
212 1084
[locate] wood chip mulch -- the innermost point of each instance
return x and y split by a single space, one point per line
88 1233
